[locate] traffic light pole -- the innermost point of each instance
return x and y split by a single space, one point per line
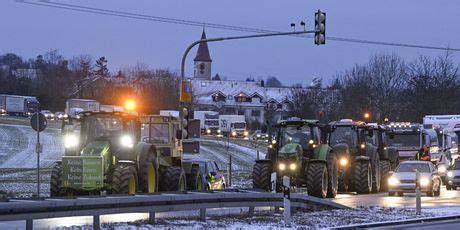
184 57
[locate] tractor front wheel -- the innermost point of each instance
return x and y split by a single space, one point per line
362 177
56 180
261 175
148 180
173 179
195 179
333 168
124 179
317 179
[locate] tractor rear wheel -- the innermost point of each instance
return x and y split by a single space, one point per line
362 177
148 171
261 175
56 180
195 179
333 168
385 174
317 179
173 179
124 179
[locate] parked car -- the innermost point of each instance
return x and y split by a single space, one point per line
453 176
402 180
212 176
48 114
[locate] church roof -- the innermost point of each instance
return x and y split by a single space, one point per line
203 52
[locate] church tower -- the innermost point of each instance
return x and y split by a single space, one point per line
202 61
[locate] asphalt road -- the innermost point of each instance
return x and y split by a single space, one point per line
447 198
445 224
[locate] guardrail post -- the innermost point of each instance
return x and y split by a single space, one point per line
273 184
418 199
251 212
287 201
96 222
29 224
202 214
151 217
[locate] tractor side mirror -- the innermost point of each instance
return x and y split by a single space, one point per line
178 134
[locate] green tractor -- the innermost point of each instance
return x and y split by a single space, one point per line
122 153
301 152
359 159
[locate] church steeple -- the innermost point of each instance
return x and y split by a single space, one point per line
203 51
203 60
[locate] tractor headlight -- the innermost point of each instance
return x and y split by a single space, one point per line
282 166
70 140
246 133
293 166
393 181
78 116
442 169
66 116
233 133
273 141
450 174
311 142
343 161
218 131
208 131
363 146
270 146
424 182
127 141
258 135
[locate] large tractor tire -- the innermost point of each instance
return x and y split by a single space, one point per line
261 175
173 179
148 172
362 177
385 174
317 179
56 181
376 174
333 175
124 179
195 179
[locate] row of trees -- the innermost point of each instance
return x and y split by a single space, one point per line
386 87
54 79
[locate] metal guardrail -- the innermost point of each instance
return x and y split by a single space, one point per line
28 209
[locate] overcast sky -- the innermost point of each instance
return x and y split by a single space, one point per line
31 30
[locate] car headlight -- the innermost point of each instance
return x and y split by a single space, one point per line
70 140
273 141
246 133
66 116
393 181
343 161
450 174
258 135
442 169
424 182
293 166
311 142
218 131
282 166
208 131
233 133
127 141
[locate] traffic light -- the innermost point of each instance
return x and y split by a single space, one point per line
185 122
320 28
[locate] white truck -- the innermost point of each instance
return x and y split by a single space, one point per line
75 106
448 130
209 122
18 105
233 125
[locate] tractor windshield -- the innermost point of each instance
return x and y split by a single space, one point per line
102 127
159 133
295 134
344 134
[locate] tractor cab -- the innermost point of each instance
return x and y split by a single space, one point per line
164 133
354 134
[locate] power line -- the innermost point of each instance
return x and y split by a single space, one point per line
123 14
